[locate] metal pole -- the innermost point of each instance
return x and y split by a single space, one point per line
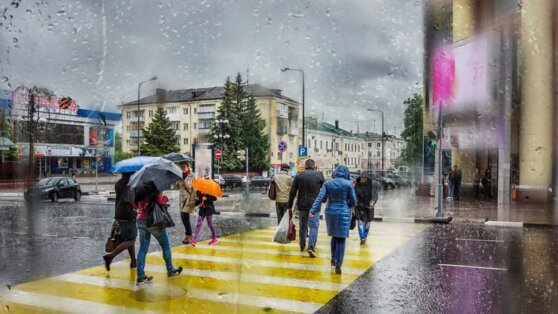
383 142
138 126
96 170
247 183
440 211
31 111
303 107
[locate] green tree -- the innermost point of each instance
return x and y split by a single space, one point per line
253 136
159 138
7 132
118 153
228 111
412 134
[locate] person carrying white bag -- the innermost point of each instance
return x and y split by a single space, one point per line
285 231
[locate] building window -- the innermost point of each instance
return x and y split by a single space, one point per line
195 111
185 141
175 125
316 143
127 128
195 124
378 145
377 154
185 111
128 114
185 126
171 110
151 113
321 144
309 143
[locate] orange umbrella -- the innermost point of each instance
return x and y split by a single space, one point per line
207 186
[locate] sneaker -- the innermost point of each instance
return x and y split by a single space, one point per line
312 253
338 270
213 242
108 261
175 272
302 249
143 280
186 240
363 242
133 264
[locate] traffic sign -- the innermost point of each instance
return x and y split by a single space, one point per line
302 151
218 154
282 146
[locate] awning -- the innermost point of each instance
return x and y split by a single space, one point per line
5 143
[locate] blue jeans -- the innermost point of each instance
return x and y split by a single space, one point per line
337 251
363 228
145 237
308 223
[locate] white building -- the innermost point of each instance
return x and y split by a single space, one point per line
372 157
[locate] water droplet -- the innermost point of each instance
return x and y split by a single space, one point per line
15 40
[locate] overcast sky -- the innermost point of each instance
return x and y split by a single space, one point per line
356 54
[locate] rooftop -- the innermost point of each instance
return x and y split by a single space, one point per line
208 93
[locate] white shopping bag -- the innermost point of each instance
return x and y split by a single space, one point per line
281 234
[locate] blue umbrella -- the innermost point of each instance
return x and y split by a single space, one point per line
132 164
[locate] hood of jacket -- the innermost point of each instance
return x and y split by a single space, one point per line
342 172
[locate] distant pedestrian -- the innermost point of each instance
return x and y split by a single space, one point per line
207 210
455 178
283 183
340 195
187 198
477 177
145 237
125 217
367 196
450 181
307 185
487 184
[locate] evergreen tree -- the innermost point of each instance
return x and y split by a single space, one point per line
159 138
228 111
253 136
412 134
6 131
118 154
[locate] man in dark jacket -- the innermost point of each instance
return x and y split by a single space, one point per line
307 184
367 195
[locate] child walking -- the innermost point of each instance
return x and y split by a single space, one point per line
207 209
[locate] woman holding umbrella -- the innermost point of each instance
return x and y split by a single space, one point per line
207 193
187 199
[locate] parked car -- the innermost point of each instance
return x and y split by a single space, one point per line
259 181
219 179
386 183
54 188
399 180
232 181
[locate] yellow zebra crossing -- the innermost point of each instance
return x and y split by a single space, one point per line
244 273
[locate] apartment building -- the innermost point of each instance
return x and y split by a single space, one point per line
192 113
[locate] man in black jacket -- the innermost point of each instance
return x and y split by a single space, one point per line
307 184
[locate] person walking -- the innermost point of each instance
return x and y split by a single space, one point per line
340 195
145 237
207 209
187 199
367 196
486 184
283 183
455 178
125 217
307 185
477 177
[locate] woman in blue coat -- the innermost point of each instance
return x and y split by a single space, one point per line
341 197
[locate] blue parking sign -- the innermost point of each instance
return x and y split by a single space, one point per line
302 151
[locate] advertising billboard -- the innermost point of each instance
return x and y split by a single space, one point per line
203 158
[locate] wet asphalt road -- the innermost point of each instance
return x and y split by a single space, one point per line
458 268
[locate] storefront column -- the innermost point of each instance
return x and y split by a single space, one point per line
463 19
536 124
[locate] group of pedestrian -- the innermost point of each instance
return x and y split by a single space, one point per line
454 184
310 189
131 219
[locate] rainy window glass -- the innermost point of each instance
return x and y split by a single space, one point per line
168 156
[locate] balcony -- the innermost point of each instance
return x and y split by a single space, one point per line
173 116
293 115
203 131
134 134
176 132
135 119
282 113
207 115
281 130
293 131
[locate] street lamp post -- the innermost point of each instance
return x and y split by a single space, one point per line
138 112
303 96
383 144
221 136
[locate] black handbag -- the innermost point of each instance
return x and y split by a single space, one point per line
272 192
113 240
353 221
159 216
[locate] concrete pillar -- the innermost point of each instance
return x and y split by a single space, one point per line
536 124
463 19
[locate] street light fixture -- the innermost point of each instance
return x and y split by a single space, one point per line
138 134
302 72
383 149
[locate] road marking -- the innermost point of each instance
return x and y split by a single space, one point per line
204 294
479 240
63 304
263 263
272 280
504 223
475 267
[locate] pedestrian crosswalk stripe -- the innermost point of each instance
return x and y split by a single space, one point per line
243 274
264 263
204 294
289 282
62 304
